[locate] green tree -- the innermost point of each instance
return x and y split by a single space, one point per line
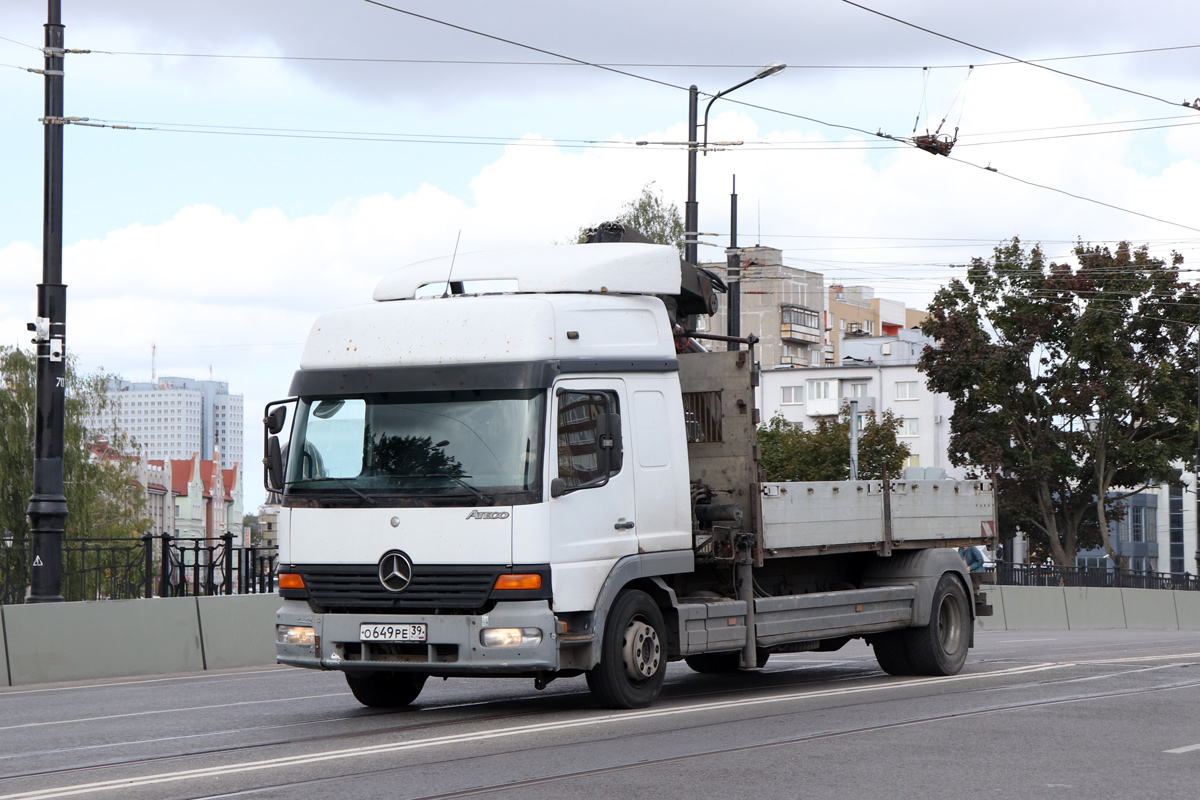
103 499
1071 382
651 216
791 453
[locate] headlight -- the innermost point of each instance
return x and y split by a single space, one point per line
295 634
510 637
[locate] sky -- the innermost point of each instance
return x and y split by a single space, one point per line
287 154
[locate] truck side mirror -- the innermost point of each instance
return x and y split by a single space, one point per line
608 436
275 418
273 466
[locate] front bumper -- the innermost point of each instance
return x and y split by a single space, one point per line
452 646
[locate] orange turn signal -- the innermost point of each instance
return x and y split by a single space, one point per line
291 580
533 581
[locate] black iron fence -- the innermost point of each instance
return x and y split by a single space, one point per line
149 566
1052 575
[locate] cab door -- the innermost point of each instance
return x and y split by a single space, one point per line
592 488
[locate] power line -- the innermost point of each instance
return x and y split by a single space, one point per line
1071 194
618 64
1014 58
22 44
524 46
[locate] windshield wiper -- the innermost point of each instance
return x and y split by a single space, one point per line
366 497
487 499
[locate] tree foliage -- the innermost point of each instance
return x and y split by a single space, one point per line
791 453
103 500
651 216
1076 383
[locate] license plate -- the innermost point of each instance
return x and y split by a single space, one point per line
370 632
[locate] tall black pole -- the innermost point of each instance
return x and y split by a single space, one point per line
691 209
47 506
733 275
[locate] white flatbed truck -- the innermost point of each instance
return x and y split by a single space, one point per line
514 464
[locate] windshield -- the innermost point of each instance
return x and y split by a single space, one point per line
478 444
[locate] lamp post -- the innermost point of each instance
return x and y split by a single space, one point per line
691 209
47 506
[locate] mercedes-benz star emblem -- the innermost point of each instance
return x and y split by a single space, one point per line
395 571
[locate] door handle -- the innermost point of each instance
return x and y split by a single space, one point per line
622 525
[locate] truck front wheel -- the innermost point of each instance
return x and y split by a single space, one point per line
633 654
385 689
940 648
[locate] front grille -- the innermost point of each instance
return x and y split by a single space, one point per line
339 587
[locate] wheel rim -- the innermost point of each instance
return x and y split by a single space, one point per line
949 624
642 651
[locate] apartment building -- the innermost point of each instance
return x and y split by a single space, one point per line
877 372
175 418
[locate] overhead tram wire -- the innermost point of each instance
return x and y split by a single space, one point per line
733 100
639 65
551 53
1072 194
1014 58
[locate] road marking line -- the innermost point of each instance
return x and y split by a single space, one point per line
1187 749
168 711
1139 658
480 736
213 675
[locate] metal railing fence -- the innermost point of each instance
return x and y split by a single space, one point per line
1053 575
148 566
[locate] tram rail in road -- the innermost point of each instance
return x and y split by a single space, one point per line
1029 709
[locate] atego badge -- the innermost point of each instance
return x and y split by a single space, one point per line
477 514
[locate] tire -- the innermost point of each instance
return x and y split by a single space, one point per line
723 663
891 653
633 654
940 648
385 689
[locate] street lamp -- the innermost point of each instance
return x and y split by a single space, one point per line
691 209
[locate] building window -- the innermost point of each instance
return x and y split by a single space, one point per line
912 461
818 390
858 390
909 426
791 395
804 317
906 390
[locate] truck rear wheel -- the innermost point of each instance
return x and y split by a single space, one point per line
385 689
892 653
633 654
940 648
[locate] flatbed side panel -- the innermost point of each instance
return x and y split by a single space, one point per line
846 516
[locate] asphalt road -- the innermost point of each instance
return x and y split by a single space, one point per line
1106 714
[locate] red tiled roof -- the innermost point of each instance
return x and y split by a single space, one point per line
207 472
181 476
230 478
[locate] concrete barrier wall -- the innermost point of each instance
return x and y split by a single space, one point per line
119 638
72 641
4 679
1149 608
1089 608
1034 608
238 631
1187 610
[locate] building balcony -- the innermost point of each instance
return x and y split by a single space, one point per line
800 333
